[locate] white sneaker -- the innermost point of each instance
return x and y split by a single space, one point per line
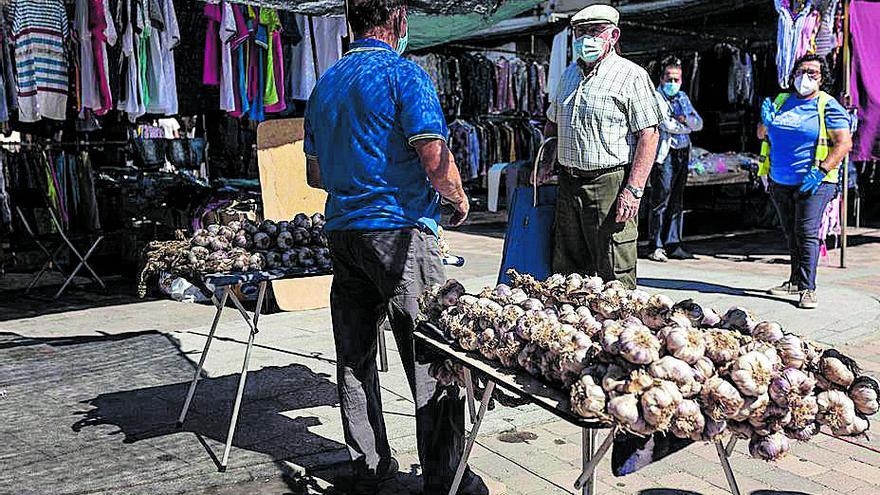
659 255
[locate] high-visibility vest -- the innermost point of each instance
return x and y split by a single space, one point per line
822 148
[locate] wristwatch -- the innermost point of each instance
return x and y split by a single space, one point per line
636 192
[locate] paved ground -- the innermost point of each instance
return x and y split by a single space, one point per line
90 390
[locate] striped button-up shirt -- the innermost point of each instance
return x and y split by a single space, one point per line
598 114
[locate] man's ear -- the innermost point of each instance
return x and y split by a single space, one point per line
615 35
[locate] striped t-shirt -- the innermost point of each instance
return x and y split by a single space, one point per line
40 28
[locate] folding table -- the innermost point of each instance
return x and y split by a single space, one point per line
552 399
51 261
220 286
223 284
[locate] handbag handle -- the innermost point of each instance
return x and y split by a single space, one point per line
539 157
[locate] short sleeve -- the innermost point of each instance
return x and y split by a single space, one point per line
421 116
836 117
553 109
643 110
309 136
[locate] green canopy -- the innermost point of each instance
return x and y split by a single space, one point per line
429 30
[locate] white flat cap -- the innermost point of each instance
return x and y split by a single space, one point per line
596 14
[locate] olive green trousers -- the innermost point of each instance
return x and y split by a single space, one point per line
588 238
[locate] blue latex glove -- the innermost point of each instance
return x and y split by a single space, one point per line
768 111
812 181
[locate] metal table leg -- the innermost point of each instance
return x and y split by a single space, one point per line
725 464
244 369
591 459
469 387
383 351
471 438
192 386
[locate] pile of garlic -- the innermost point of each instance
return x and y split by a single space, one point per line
649 365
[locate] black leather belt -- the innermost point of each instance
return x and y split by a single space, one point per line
590 174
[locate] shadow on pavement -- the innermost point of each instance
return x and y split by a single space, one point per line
99 413
670 491
707 288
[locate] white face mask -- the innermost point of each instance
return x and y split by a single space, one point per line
805 85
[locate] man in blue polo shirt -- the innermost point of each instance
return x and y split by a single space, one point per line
375 140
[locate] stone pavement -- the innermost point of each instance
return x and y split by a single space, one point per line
90 392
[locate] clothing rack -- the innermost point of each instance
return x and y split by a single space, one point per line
60 144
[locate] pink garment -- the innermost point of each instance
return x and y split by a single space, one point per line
211 71
807 37
829 225
278 68
98 28
865 83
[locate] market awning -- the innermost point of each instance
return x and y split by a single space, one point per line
430 30
433 7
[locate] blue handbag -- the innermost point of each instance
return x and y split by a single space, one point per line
528 245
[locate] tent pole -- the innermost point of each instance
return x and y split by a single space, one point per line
847 101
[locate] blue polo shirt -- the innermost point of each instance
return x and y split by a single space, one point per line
793 135
360 123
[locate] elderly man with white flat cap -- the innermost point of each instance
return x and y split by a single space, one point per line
606 118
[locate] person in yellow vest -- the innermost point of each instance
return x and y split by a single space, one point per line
806 137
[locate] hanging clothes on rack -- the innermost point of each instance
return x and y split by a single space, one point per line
40 28
865 83
328 34
558 61
796 32
95 30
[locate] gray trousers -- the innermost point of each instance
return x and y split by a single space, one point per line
378 274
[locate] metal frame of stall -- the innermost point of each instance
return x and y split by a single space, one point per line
550 399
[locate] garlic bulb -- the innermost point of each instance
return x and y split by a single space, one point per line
836 411
803 434
703 369
587 398
637 344
615 379
509 317
609 301
752 373
741 429
722 346
803 412
789 385
753 407
837 368
509 347
769 448
791 351
610 336
639 381
768 331
659 404
468 339
676 371
714 429
739 319
654 314
487 341
686 344
692 311
864 392
625 409
450 293
721 399
529 359
688 421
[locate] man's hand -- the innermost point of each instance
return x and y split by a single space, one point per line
461 213
627 206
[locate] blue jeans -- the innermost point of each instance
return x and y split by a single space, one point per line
800 215
668 180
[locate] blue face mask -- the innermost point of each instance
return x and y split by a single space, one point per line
589 48
671 88
402 42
